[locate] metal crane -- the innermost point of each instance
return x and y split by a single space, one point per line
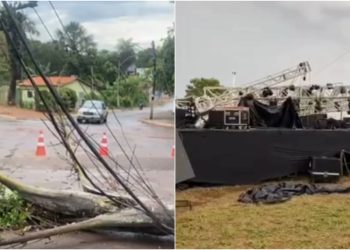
219 96
310 99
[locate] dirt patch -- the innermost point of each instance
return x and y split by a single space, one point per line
21 114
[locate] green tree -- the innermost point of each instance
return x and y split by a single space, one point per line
165 64
106 68
197 85
50 56
80 48
144 58
126 54
131 91
75 39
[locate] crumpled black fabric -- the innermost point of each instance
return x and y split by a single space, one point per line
280 116
284 191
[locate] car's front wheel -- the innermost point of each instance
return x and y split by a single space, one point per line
101 121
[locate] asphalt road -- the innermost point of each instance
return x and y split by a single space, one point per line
152 146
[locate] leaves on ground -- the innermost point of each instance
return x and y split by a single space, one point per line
14 211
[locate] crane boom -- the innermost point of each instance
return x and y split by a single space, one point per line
217 96
288 74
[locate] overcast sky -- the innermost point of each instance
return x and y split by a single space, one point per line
256 39
109 21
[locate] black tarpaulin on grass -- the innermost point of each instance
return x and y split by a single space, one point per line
284 191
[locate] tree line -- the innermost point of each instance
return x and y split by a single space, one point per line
73 51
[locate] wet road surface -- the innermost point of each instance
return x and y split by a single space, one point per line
152 146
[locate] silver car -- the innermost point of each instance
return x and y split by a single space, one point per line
93 111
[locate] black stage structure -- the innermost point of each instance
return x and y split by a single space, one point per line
251 156
278 143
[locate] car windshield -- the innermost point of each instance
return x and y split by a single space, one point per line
90 105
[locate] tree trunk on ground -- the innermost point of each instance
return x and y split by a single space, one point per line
130 220
82 205
70 203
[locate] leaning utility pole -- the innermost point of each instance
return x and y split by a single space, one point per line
92 78
118 83
154 80
16 72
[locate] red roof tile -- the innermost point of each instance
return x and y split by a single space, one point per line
54 80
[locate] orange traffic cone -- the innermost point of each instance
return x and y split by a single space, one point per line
173 152
40 146
104 146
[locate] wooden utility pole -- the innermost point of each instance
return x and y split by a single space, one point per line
154 80
118 83
92 78
16 72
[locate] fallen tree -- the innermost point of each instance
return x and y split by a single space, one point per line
92 212
130 220
70 203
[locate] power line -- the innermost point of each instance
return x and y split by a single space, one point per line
332 62
147 185
58 16
42 22
125 153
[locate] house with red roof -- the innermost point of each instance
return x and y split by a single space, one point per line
27 98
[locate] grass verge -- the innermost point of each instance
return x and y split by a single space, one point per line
217 220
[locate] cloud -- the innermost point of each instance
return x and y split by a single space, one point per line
109 21
141 30
261 38
84 11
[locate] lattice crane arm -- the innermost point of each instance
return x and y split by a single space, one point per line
288 74
216 96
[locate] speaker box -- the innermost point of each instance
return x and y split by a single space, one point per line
228 117
325 169
311 121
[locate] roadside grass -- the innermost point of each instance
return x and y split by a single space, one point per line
218 220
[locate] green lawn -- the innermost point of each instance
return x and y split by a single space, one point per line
217 220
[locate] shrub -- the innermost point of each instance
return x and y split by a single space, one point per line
48 98
132 91
28 105
14 212
126 101
92 96
69 98
110 98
